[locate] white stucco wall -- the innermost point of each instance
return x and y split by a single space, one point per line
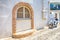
6 7
54 0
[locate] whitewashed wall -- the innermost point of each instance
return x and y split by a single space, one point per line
54 0
6 7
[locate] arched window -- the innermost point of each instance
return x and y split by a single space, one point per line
23 13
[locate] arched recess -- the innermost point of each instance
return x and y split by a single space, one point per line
28 6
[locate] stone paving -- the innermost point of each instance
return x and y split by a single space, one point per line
44 34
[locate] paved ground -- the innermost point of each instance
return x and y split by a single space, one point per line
44 34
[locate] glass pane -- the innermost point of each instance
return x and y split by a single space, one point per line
20 9
20 13
27 15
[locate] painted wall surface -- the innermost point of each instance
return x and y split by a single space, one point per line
6 7
54 0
